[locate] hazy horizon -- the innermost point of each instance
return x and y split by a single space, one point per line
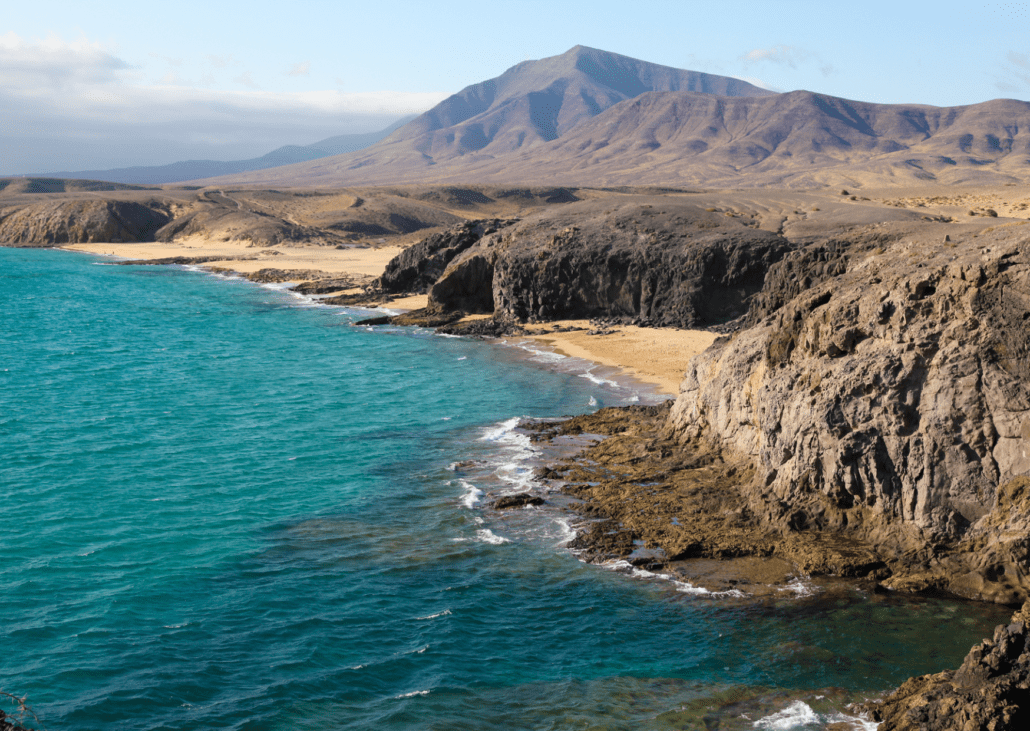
118 84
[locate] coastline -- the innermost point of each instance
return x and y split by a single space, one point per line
610 348
656 356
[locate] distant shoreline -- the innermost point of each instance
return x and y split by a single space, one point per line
655 356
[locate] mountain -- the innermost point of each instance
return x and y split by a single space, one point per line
796 139
588 117
539 101
529 105
177 172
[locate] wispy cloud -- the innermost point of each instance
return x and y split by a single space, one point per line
300 69
219 62
761 84
1015 74
245 79
790 56
54 62
67 102
785 55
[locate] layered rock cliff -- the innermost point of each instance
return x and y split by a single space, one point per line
665 263
887 401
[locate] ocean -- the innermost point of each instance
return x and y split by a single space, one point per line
227 507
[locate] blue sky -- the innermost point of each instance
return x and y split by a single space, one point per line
113 83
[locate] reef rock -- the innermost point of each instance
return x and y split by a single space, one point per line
883 394
82 222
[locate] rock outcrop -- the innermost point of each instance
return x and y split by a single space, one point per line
883 395
83 221
991 689
418 267
666 263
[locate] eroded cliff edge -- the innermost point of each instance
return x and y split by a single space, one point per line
871 405
888 402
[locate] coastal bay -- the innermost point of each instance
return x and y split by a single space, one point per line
280 561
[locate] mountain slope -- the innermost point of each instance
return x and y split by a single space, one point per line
539 101
593 118
177 172
529 105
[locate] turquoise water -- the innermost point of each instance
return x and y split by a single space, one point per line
225 507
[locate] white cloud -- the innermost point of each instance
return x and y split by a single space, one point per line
55 63
219 62
300 69
245 79
761 84
790 56
786 55
1017 73
68 105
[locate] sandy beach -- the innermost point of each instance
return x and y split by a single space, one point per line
656 356
653 355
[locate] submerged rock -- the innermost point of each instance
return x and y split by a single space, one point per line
990 690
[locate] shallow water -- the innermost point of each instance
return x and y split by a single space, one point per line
226 507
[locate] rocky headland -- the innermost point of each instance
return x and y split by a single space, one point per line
865 414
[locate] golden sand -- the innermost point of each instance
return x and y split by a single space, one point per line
656 356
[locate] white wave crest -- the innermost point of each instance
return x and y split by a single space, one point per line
500 430
685 587
800 715
444 613
412 694
589 375
488 536
472 494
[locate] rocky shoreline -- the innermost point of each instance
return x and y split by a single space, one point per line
866 414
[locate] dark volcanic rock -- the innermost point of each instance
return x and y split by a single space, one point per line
416 268
888 403
7 724
991 689
668 263
490 327
516 501
82 222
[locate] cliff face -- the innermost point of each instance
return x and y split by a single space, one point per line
669 263
89 221
418 267
890 402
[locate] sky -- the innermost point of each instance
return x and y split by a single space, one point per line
112 83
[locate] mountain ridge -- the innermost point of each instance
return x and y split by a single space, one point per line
186 170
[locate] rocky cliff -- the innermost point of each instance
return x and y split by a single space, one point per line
883 394
83 221
661 262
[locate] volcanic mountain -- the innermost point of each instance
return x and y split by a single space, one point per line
588 117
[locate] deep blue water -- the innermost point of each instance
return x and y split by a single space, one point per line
224 507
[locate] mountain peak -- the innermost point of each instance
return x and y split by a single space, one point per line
538 101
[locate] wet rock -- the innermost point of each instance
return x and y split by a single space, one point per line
491 327
521 500
990 690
